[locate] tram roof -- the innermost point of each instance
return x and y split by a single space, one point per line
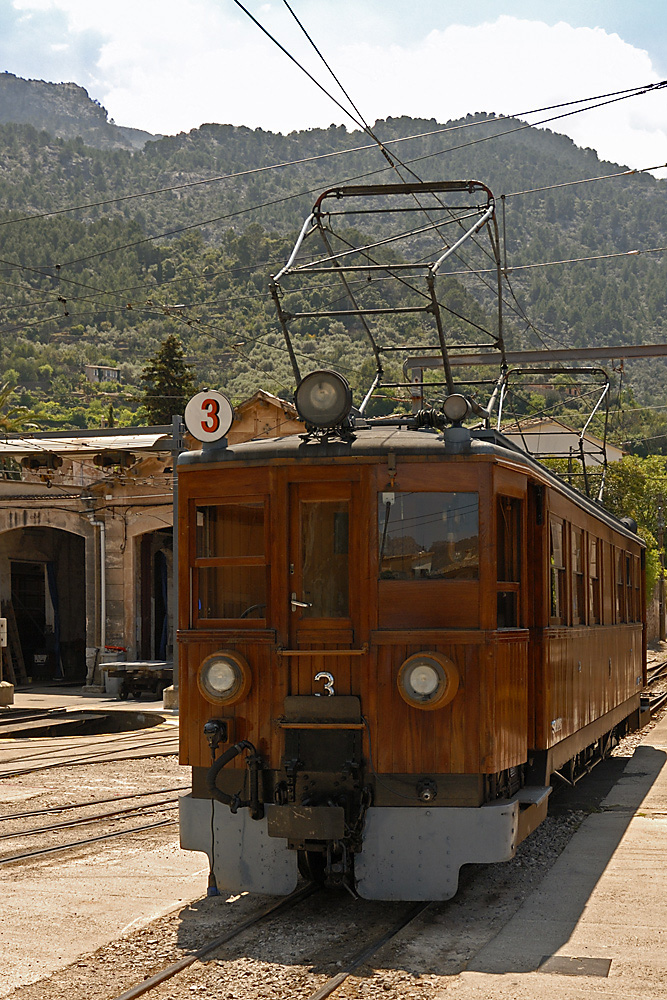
381 440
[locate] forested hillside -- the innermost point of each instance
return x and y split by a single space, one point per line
107 281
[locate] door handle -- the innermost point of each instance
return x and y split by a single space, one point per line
298 604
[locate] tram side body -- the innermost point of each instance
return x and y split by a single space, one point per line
541 634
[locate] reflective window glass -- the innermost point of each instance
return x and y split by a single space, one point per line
324 555
427 536
230 529
232 592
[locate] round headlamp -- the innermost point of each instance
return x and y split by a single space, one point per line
323 399
428 680
224 677
456 407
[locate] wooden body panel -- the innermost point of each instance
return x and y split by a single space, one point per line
254 717
481 731
515 682
581 674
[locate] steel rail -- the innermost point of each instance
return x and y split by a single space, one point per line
81 762
82 843
52 746
146 807
91 802
172 970
361 957
656 671
657 703
101 756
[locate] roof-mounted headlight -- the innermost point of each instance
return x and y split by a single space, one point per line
456 407
224 677
323 399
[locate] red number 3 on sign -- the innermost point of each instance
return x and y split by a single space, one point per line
209 415
212 422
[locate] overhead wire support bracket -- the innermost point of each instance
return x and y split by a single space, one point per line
350 258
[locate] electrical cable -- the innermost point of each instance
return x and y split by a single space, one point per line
634 92
630 92
331 96
585 180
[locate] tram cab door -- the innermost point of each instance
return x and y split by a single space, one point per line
322 590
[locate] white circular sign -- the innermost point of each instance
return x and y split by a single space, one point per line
209 415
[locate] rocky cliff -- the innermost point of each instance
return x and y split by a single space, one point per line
64 110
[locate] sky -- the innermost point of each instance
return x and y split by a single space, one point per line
168 66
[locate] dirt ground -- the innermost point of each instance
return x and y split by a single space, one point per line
58 907
140 904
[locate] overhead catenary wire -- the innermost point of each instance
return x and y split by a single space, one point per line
625 94
14 266
44 270
585 180
571 260
471 270
201 182
393 164
519 267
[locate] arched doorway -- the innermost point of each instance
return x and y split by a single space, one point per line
155 560
43 586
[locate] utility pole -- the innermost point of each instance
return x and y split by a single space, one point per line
661 583
171 694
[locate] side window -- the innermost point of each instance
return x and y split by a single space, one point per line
593 581
508 560
557 570
230 561
428 536
621 607
578 606
637 590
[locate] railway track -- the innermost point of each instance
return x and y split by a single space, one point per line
44 754
162 807
49 810
61 848
656 686
320 991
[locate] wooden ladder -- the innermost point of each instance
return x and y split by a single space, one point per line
12 654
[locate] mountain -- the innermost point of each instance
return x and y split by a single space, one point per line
181 236
64 110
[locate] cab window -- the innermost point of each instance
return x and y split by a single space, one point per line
230 561
428 536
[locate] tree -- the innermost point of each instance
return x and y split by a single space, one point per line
168 382
12 416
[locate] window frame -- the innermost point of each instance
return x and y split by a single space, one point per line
621 590
594 581
578 576
515 535
214 562
558 574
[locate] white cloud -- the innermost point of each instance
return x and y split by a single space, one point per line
511 66
168 66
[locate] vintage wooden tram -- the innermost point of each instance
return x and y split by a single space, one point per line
391 636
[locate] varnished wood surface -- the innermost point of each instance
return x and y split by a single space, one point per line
581 674
514 683
481 730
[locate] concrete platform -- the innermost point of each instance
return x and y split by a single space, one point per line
605 899
49 919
